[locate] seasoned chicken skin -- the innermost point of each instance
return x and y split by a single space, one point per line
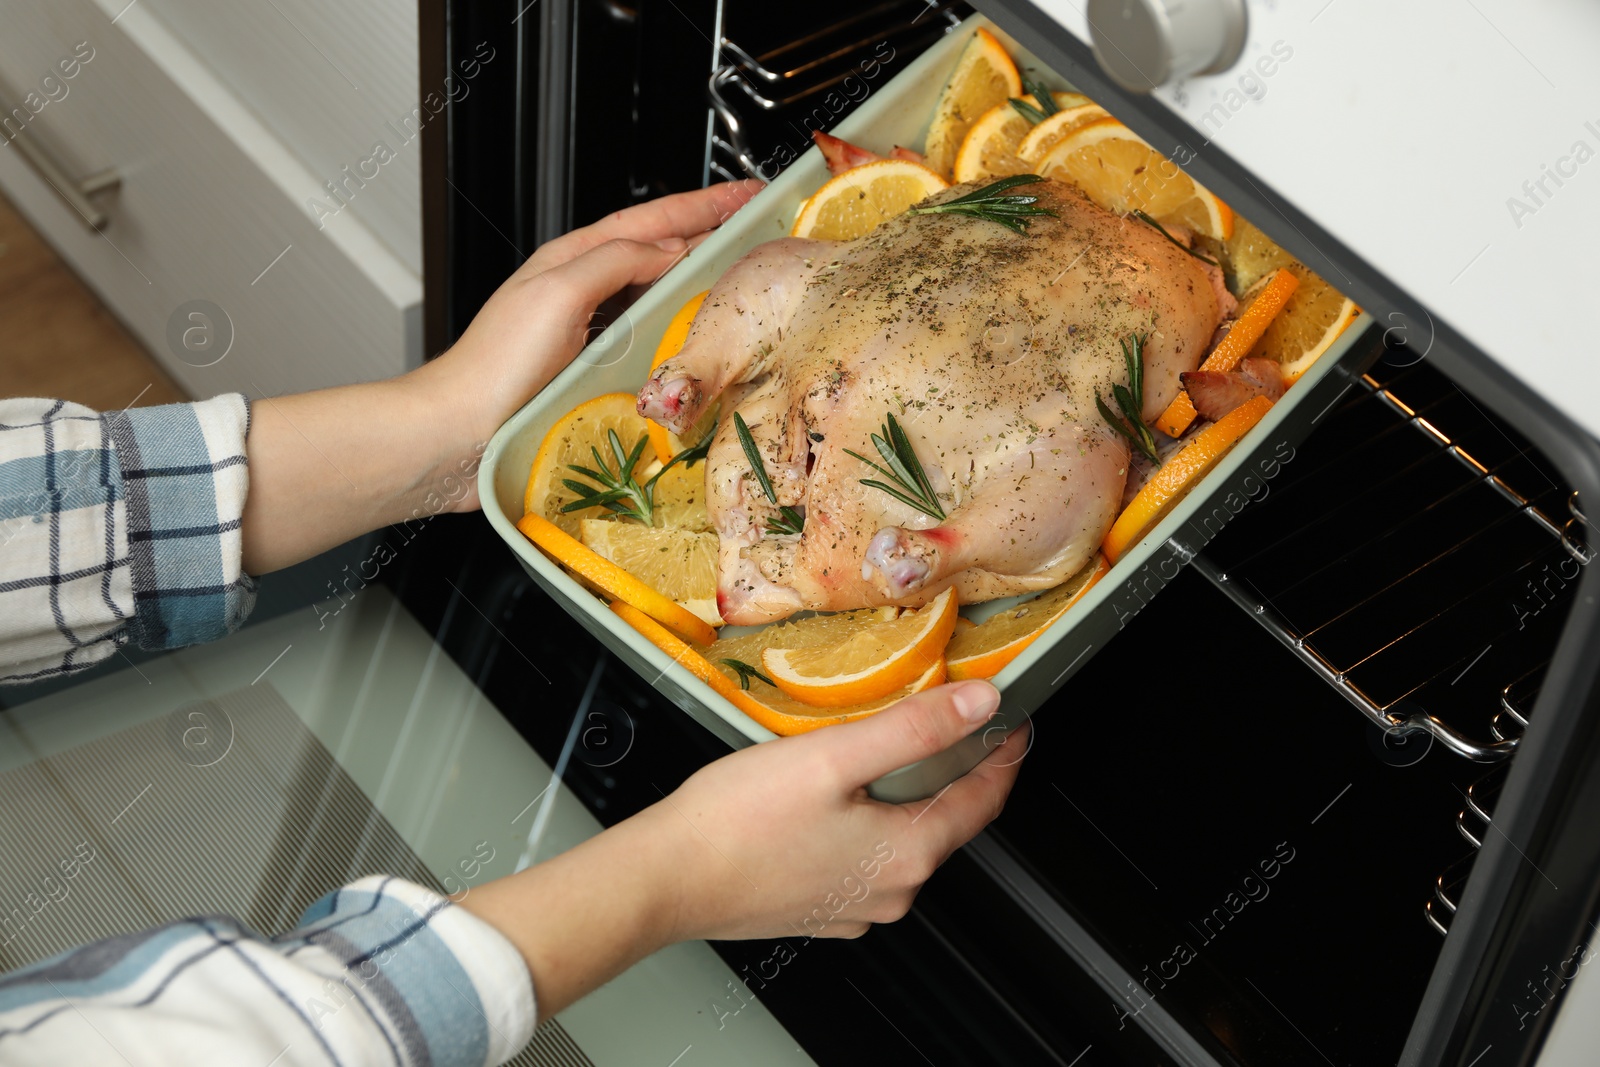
988 346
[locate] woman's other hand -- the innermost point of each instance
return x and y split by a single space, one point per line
776 840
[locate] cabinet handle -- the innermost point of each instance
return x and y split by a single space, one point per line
75 194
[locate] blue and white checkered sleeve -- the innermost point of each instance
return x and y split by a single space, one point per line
184 480
116 528
380 972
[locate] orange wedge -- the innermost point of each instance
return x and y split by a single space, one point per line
982 651
1122 173
990 148
869 664
853 204
666 443
1261 308
983 79
1180 474
770 707
569 441
612 580
1052 131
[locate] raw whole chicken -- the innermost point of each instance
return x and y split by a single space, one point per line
988 346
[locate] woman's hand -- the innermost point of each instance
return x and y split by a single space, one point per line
541 317
331 465
776 840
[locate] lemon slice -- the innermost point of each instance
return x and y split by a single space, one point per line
990 148
984 78
681 564
680 499
1122 173
569 441
982 651
1042 138
853 204
867 665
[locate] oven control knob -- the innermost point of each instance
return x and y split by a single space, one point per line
1143 44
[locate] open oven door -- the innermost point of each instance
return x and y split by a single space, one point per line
1361 138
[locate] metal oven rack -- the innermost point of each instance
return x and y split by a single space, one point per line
1451 557
1446 568
1475 819
764 99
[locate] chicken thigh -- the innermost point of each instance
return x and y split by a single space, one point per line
988 346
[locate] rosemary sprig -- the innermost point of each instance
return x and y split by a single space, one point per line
905 471
1012 212
1142 217
746 672
618 491
1047 103
1131 400
789 521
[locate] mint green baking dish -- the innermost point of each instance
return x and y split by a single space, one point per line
619 361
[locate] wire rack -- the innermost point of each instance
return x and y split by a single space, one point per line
1417 554
765 99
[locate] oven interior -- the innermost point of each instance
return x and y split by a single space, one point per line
1261 802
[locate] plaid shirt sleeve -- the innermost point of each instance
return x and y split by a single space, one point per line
118 528
380 972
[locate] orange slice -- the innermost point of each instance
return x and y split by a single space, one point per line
1312 320
1250 255
1262 307
666 443
612 580
680 499
768 706
982 651
853 204
1052 131
569 441
1122 173
990 148
678 563
867 665
984 78
1180 474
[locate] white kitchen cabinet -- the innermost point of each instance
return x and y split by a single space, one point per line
208 254
330 80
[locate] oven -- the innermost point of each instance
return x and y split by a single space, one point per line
1331 796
